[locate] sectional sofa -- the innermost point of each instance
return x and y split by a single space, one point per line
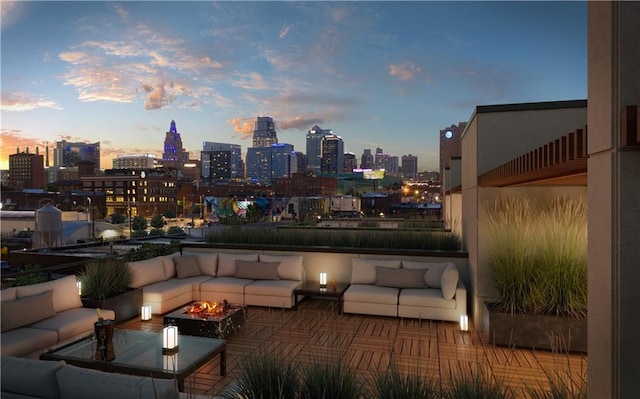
171 281
404 288
38 316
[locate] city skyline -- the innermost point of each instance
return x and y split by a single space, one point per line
379 74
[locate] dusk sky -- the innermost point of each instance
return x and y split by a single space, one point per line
379 74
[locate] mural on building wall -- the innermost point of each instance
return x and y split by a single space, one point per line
221 208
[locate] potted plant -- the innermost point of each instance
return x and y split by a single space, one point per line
105 284
538 260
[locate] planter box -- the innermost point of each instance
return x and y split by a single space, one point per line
126 305
537 331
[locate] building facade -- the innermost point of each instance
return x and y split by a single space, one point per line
450 144
303 185
220 161
174 155
409 166
366 161
135 161
264 133
332 160
314 148
350 162
68 153
26 170
264 164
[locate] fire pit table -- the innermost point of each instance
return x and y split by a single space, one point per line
208 319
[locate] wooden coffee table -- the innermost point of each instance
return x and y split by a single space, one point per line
140 353
313 289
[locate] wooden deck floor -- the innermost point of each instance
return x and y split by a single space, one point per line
370 344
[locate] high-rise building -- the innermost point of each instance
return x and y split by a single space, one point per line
314 148
409 166
264 133
302 162
135 161
366 161
174 155
70 154
264 164
332 160
350 162
388 162
450 144
26 170
220 161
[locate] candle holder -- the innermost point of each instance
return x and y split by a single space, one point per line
323 280
169 340
145 313
464 322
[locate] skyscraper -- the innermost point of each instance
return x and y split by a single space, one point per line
409 166
264 133
174 155
314 148
70 154
366 161
220 161
350 162
264 164
332 154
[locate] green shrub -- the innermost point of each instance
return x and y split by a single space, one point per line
31 276
396 385
156 232
477 383
105 278
329 379
139 234
175 230
265 376
538 254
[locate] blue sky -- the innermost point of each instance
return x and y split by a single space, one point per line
379 74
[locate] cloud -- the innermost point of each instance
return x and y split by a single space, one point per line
10 13
20 102
13 139
299 123
405 71
157 97
285 31
250 81
242 126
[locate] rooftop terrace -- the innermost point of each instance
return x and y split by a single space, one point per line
370 344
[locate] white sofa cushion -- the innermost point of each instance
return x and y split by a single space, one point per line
433 276
145 272
363 271
65 292
290 267
73 322
371 294
101 385
30 377
449 281
24 311
227 263
225 284
283 288
26 340
166 290
8 294
426 297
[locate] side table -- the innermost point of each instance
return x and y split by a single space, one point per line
312 288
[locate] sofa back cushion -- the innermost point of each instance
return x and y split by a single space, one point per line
363 271
145 272
30 377
433 271
227 263
65 292
187 266
207 262
290 266
28 310
257 270
169 265
399 278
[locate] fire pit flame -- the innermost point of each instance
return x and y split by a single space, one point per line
206 309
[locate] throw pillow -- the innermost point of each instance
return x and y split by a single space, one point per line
290 266
30 378
400 278
449 281
28 310
433 276
227 263
363 271
257 270
187 266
